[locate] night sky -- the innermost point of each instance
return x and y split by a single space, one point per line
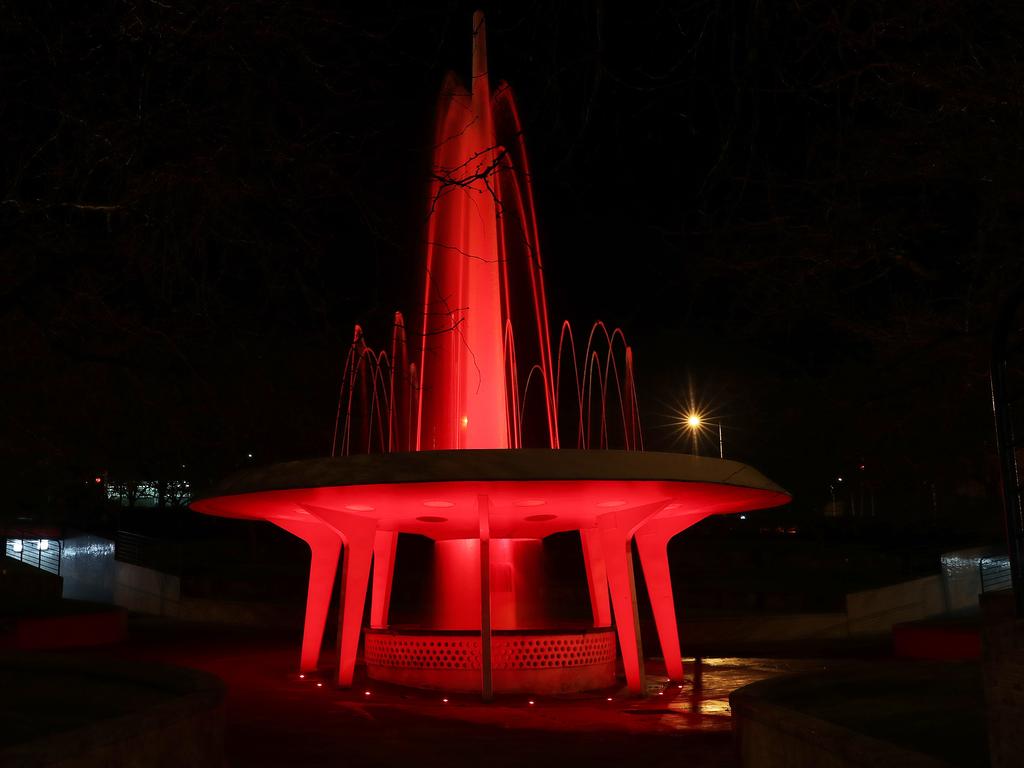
802 213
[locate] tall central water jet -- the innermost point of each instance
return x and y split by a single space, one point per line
481 237
481 242
468 456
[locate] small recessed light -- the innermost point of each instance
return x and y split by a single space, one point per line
531 702
610 504
359 508
319 685
438 504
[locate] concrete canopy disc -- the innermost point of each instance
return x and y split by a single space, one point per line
532 493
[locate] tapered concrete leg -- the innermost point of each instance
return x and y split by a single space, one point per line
384 545
325 546
355 575
619 562
654 560
597 577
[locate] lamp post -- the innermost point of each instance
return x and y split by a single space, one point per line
695 423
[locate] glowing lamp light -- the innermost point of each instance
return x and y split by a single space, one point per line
366 693
302 677
444 700
693 421
743 517
464 421
609 698
531 702
319 685
97 480
44 544
18 546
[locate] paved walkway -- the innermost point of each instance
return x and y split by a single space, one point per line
274 718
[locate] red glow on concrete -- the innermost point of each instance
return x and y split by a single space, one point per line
482 247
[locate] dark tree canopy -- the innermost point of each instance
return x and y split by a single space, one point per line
808 211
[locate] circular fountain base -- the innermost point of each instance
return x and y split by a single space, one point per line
523 661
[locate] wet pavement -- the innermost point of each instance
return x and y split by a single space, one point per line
275 717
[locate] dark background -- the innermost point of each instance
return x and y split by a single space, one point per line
802 215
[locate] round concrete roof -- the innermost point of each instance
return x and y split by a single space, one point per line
493 465
530 493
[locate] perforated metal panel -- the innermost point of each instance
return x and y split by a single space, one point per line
510 652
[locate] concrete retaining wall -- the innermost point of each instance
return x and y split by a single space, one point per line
771 735
874 611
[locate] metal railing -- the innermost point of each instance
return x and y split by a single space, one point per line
995 573
43 554
148 552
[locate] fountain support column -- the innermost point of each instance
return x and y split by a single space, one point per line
652 545
616 530
358 534
597 577
384 545
324 548
486 667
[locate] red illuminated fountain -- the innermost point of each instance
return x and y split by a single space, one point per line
466 449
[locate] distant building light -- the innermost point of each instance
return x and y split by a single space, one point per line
97 479
839 479
743 517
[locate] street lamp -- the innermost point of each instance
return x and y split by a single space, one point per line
695 422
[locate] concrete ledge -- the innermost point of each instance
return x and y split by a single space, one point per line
819 719
167 716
